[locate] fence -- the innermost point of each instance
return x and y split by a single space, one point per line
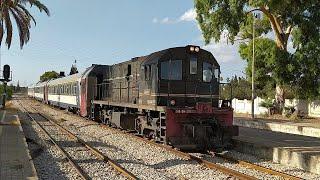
311 108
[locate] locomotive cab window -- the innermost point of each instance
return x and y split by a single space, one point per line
164 70
171 70
193 65
207 72
216 73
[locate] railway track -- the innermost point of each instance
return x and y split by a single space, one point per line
80 170
211 165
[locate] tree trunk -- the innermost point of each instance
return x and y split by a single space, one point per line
279 97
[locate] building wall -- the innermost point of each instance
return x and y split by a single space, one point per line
312 108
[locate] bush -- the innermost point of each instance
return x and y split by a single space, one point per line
268 103
9 92
288 111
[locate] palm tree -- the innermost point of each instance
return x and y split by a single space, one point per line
17 10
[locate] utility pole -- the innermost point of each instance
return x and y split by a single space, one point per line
252 75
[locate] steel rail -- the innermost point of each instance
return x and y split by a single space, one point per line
258 167
181 154
99 154
65 154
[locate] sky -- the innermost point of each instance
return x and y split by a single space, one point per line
108 32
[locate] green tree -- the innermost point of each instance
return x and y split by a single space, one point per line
284 18
17 10
240 88
9 90
48 76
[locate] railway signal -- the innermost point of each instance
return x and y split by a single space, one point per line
6 77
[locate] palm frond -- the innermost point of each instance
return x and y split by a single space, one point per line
8 23
17 9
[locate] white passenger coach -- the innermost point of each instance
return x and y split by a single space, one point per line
64 92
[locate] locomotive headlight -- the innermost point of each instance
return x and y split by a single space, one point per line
191 48
196 49
173 102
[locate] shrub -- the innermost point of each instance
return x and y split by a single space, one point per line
268 103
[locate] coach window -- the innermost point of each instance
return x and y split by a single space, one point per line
70 89
75 88
193 65
207 72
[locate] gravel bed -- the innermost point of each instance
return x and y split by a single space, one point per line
163 160
236 167
269 164
140 157
94 167
48 161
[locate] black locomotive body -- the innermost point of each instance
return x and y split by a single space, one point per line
171 96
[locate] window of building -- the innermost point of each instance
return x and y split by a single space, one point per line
207 72
193 65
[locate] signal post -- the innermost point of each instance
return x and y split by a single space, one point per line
6 77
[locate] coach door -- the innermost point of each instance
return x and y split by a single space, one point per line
83 97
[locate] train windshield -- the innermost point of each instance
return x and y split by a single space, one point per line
171 70
209 72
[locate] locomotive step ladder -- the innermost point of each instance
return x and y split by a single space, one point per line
163 126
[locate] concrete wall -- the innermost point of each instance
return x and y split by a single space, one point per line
310 108
244 106
314 109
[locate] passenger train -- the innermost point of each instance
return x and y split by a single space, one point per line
171 96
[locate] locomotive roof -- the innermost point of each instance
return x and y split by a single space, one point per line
67 79
154 57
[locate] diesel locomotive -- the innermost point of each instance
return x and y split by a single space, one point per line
171 96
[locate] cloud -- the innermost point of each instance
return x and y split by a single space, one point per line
223 50
155 20
228 57
165 20
189 15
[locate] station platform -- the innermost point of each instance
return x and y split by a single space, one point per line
306 127
287 149
15 160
